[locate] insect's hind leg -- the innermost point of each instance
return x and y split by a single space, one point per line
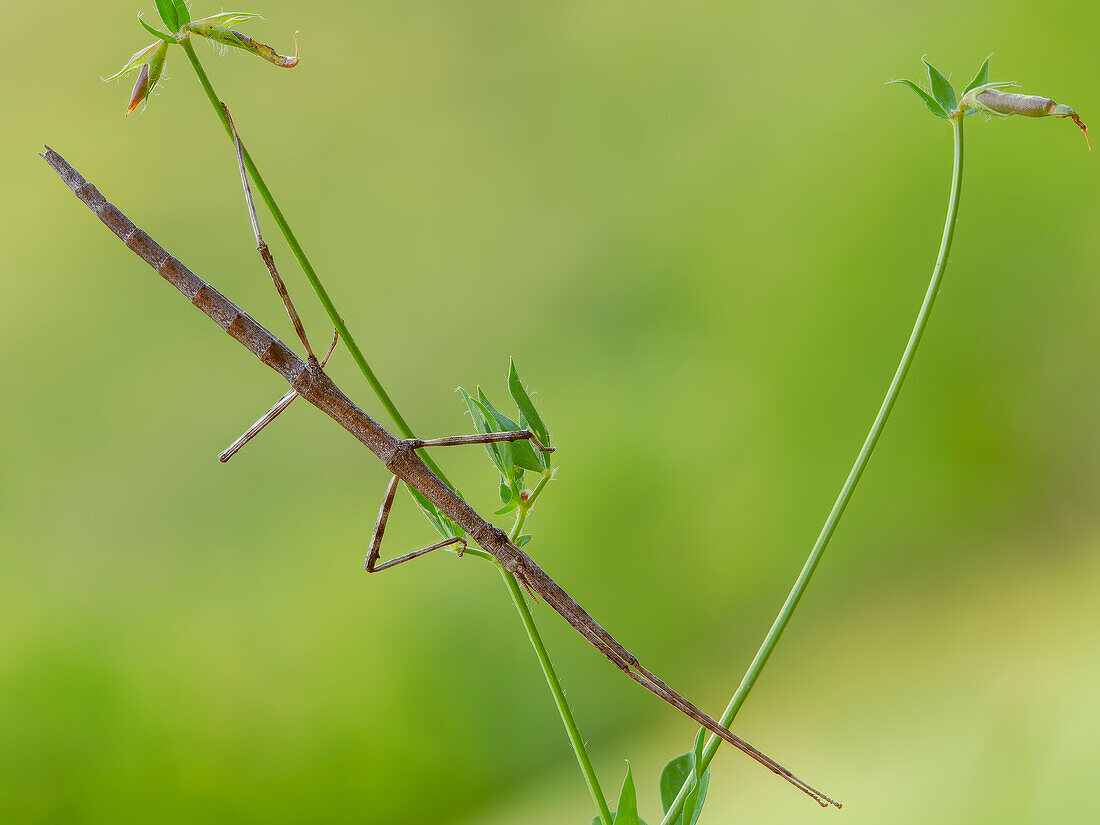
372 564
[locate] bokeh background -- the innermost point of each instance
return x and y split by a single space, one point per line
703 230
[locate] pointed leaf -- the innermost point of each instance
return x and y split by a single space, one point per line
673 774
981 77
522 451
933 105
626 812
167 10
444 526
182 14
507 508
526 406
941 87
522 540
167 38
483 423
227 18
978 80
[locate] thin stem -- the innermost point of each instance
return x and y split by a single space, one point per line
551 675
803 580
525 506
559 697
307 267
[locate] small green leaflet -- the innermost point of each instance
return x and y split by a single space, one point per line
446 528
483 424
159 35
933 105
626 812
673 775
522 451
941 88
529 416
182 14
980 78
167 10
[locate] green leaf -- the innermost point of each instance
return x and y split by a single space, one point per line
134 64
528 414
182 14
673 775
482 419
981 77
446 528
522 540
933 105
626 812
167 10
505 491
941 88
522 451
167 38
507 508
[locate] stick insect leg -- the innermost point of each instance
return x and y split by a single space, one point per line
261 246
271 414
480 438
372 564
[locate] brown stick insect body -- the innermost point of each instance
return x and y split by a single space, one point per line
399 456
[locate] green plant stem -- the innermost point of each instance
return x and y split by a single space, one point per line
552 680
307 267
793 598
525 506
548 671
564 710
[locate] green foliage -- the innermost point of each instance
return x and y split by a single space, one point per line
170 14
941 88
980 78
167 38
933 105
501 453
626 811
510 458
523 453
942 99
528 415
676 771
443 525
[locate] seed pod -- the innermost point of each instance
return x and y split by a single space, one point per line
1007 103
149 64
220 33
990 98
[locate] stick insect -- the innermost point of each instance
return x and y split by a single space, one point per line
309 380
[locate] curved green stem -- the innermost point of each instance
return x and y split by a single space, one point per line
307 267
785 613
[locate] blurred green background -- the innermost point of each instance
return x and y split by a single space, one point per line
703 230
